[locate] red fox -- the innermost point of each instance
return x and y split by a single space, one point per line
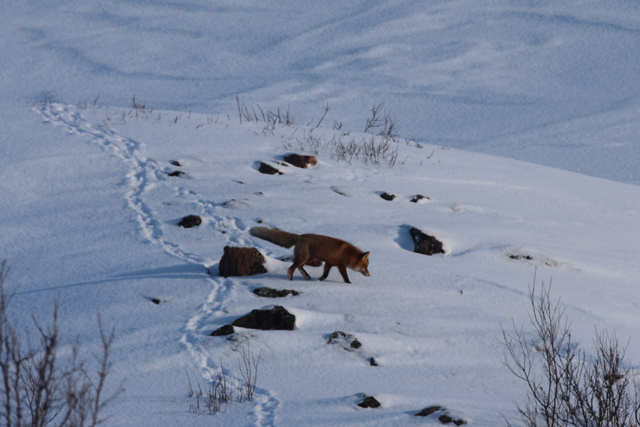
334 252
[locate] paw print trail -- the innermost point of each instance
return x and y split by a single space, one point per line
144 174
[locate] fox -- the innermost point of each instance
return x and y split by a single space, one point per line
308 247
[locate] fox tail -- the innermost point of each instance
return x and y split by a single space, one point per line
275 236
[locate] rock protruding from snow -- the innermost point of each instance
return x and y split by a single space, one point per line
425 244
347 341
190 221
387 196
369 402
223 331
265 292
274 319
444 416
268 169
418 197
300 161
241 262
176 173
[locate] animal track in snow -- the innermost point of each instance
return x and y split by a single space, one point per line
144 175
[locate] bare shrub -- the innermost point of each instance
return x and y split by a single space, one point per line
220 393
39 389
138 105
248 365
566 387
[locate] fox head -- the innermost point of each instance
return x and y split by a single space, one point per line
363 264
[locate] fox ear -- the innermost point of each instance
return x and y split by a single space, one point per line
365 256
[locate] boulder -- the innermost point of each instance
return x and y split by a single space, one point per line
388 196
190 221
425 244
300 160
268 169
241 262
275 318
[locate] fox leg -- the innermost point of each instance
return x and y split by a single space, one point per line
304 273
343 271
297 263
325 273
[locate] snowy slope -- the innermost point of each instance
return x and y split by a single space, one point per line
549 82
542 96
103 238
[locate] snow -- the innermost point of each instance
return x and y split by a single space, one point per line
520 126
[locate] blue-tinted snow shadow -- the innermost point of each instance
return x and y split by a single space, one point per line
404 239
181 271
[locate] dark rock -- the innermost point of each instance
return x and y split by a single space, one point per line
446 419
176 173
273 293
190 221
373 362
527 257
369 402
241 262
428 411
268 169
417 198
223 331
275 318
347 341
299 160
176 163
425 244
388 196
156 301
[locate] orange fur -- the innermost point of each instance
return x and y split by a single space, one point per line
333 252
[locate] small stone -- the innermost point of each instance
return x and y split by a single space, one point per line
190 221
369 402
273 293
268 169
373 362
388 196
176 163
176 173
347 341
418 197
300 161
428 411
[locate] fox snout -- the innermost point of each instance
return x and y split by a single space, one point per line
364 264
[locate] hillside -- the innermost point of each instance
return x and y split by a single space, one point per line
102 236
